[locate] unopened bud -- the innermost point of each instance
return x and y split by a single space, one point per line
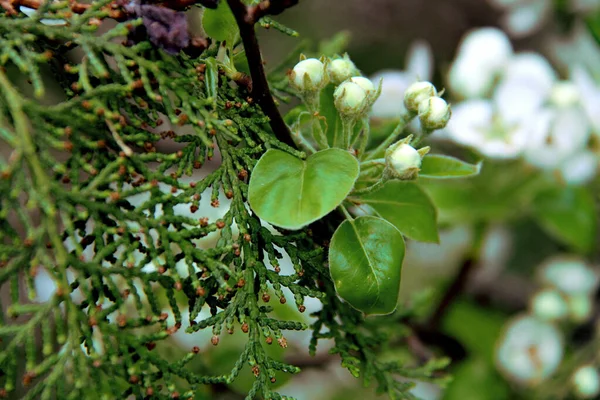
341 69
309 75
366 85
417 93
350 99
403 161
549 305
434 113
586 382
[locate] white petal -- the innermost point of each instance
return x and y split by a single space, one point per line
390 103
419 63
590 95
526 18
580 169
517 99
469 121
533 68
468 79
487 47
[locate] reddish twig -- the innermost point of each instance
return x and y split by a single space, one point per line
246 17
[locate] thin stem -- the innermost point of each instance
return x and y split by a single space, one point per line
404 120
348 129
346 213
378 185
372 163
246 17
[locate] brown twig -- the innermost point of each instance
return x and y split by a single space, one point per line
246 17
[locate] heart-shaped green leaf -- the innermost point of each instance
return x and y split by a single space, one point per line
407 207
569 214
444 167
365 261
291 193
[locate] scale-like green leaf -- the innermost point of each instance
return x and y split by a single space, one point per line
219 24
407 207
291 193
365 261
569 214
444 167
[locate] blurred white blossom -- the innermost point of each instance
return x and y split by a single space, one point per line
390 103
515 106
524 17
529 351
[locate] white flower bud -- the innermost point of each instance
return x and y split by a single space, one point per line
417 93
403 161
434 113
586 382
341 69
309 75
365 84
549 305
350 99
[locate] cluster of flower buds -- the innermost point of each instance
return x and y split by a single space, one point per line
402 161
354 97
423 99
354 94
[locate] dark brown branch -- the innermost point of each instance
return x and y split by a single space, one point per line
261 93
268 7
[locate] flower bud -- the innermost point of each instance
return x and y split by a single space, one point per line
309 75
350 99
341 69
586 382
403 161
417 93
434 113
549 305
366 85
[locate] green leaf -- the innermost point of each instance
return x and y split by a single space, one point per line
365 261
407 207
211 79
568 214
220 25
444 167
291 193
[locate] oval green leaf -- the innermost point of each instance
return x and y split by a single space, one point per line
568 214
291 193
365 261
445 167
219 24
407 207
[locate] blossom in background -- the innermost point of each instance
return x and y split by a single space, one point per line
390 103
515 106
524 17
